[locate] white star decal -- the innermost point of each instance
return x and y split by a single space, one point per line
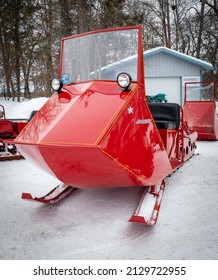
130 110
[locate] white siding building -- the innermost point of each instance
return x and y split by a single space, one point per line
166 71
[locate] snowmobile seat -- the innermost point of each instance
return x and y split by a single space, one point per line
166 115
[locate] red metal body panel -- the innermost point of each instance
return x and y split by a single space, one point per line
106 146
18 126
78 115
6 128
201 115
9 129
148 208
169 138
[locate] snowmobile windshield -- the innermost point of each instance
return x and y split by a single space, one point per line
200 91
99 55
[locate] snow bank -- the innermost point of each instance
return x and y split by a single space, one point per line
15 110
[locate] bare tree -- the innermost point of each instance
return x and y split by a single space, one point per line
30 33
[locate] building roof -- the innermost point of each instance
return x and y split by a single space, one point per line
187 58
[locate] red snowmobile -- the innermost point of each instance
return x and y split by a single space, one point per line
98 131
9 129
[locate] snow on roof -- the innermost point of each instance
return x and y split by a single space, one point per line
187 58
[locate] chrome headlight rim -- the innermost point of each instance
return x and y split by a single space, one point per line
56 84
124 81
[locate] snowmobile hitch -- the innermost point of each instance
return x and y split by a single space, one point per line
55 195
149 205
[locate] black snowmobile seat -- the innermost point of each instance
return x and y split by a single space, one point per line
166 115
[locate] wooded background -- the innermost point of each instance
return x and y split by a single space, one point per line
30 33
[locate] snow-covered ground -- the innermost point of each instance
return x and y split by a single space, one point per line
93 224
16 110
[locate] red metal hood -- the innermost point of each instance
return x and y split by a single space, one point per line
78 115
95 135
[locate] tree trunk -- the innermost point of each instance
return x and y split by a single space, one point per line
49 33
17 45
83 23
168 24
5 55
66 22
201 26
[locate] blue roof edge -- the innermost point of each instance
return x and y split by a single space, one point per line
187 58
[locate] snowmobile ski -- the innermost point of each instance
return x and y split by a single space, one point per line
53 196
149 205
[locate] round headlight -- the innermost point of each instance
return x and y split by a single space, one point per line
124 80
56 84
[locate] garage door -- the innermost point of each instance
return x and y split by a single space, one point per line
169 86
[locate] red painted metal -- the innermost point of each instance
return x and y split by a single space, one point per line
200 113
91 146
55 195
149 205
9 129
95 135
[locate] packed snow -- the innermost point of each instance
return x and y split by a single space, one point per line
146 208
23 110
93 224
